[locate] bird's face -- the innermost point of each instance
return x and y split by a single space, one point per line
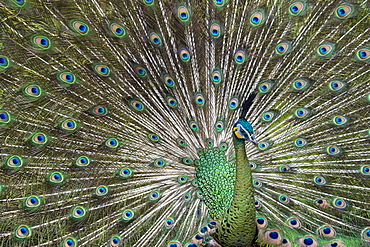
243 130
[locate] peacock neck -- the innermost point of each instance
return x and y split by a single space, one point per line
238 226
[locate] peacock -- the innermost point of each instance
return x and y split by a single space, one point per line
182 123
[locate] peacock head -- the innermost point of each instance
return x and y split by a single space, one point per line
243 130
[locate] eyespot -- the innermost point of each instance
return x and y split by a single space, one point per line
183 13
337 85
197 238
171 102
253 165
283 48
268 116
124 172
223 146
366 234
153 137
215 30
322 203
319 180
203 230
148 2
155 39
32 90
300 142
335 243
184 55
174 243
272 237
137 105
67 78
78 212
39 138
326 231
199 99
140 71
169 223
32 202
168 80
127 215
181 142
344 11
195 183
4 62
210 142
154 196
200 195
257 183
68 125
102 70
302 113
294 223
14 162
261 222
22 232
200 151
240 57
159 163
216 77
284 168
284 199
187 161
219 126
115 241
191 244
69 242
257 18
297 8
326 49
301 84
333 150
265 86
365 170
193 125
5 117
186 197
82 161
363 54
101 191
182 179
111 143
41 42
80 27
257 203
117 30
99 110
55 178
233 103
307 241
19 3
340 120
219 3
264 145
339 203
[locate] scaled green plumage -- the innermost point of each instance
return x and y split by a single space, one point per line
124 123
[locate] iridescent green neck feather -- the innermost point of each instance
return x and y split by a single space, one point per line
238 228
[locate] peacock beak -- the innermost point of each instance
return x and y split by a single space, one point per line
253 140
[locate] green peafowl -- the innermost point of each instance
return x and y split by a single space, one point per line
185 123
